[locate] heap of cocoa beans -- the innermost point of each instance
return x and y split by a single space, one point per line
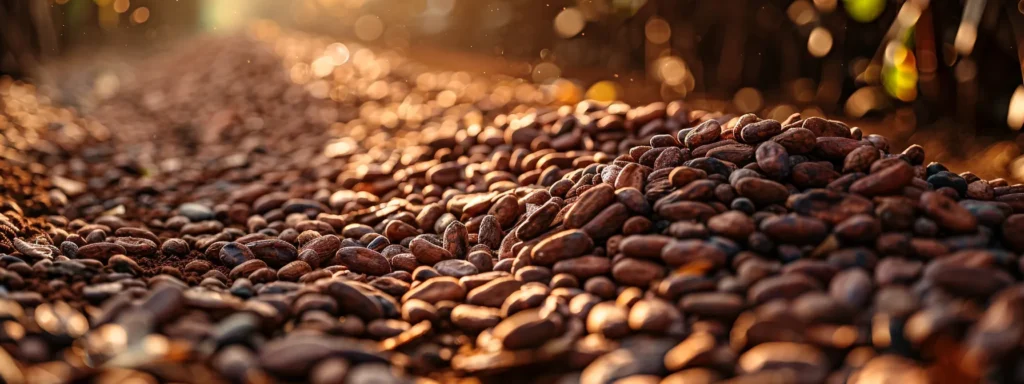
256 220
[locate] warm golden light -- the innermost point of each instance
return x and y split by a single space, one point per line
1017 168
657 30
565 91
546 71
825 6
322 66
440 7
966 35
121 6
803 90
338 53
368 27
106 85
446 98
319 89
748 100
820 42
140 15
671 70
801 12
603 91
1015 112
864 100
300 73
569 22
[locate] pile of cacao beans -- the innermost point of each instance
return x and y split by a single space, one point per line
265 218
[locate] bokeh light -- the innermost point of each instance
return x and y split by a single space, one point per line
965 71
603 91
140 15
864 11
864 100
899 72
319 89
322 66
569 22
338 53
748 100
966 35
825 6
782 112
801 12
121 6
300 73
565 91
106 85
908 15
440 7
546 71
657 30
1017 168
671 70
819 43
368 27
497 15
446 98
1015 112
803 90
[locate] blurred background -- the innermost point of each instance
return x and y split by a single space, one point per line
944 74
